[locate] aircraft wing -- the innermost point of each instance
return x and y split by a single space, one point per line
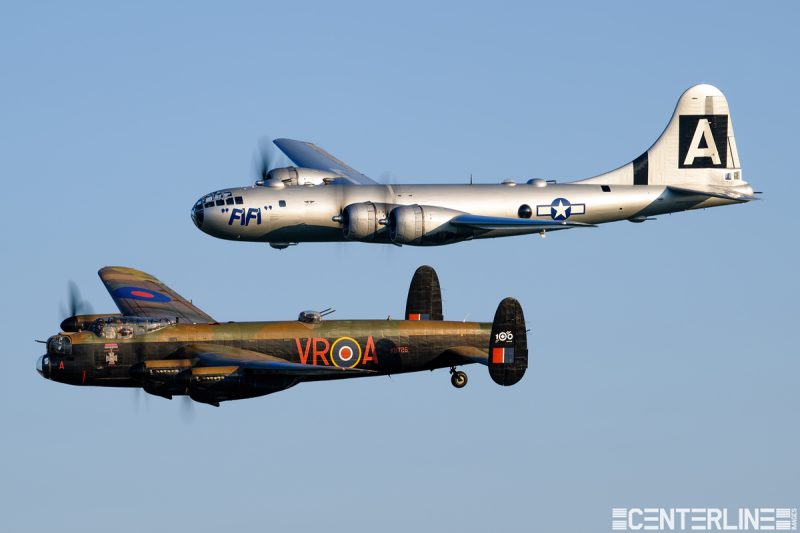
137 293
308 155
501 223
217 355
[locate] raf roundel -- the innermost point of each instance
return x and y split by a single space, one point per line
345 352
137 293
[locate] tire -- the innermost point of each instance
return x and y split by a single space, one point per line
459 379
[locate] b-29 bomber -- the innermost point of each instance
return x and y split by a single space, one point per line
693 165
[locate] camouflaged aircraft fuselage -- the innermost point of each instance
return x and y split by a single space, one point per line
386 347
165 344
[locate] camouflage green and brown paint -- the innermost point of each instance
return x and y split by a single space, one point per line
160 351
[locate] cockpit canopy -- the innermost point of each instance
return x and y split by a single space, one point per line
219 198
125 327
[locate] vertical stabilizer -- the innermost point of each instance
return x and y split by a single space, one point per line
697 148
508 344
424 296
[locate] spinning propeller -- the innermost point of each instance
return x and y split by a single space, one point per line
76 304
267 159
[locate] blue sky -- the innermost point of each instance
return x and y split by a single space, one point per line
664 358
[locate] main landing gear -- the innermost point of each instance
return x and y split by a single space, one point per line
458 378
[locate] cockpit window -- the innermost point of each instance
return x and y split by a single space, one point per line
126 327
239 200
218 198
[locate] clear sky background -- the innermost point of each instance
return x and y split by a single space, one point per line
664 362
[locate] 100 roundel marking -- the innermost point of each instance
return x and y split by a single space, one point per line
345 352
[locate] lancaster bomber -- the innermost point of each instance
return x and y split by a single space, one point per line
693 165
164 344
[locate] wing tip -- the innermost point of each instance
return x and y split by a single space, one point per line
125 271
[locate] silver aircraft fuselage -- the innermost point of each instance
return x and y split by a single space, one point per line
694 164
313 213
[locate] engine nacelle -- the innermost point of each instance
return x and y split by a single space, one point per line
83 322
212 385
424 225
292 176
361 222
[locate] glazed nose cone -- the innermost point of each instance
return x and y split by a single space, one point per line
198 214
43 366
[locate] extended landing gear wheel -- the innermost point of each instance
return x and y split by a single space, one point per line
458 379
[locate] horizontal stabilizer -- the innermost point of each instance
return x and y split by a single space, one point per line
469 354
424 296
726 193
508 344
500 223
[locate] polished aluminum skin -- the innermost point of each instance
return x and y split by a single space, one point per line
693 165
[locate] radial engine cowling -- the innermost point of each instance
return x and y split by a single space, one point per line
291 176
361 222
424 225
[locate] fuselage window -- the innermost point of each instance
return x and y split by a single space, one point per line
605 188
281 203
